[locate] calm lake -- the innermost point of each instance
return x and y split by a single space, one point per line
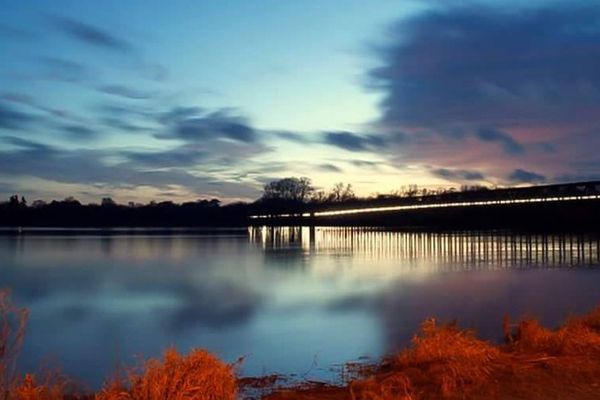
291 300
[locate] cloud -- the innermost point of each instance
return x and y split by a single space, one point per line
79 132
327 167
192 125
460 174
28 145
91 35
491 66
365 163
461 80
29 101
294 137
90 167
125 91
124 125
179 157
523 176
353 142
12 119
510 145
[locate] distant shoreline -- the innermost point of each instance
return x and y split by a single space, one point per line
118 230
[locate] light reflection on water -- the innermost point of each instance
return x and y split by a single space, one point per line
284 297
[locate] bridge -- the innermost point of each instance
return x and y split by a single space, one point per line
546 201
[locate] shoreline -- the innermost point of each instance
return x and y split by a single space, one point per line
442 362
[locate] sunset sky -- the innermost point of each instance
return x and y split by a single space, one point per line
180 100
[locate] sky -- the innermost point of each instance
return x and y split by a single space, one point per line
182 100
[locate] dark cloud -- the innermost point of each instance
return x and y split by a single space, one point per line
463 80
294 137
327 167
178 157
509 144
523 176
126 110
190 125
31 102
79 132
583 177
88 167
353 142
91 35
123 125
179 114
28 145
491 66
460 174
124 91
364 163
13 119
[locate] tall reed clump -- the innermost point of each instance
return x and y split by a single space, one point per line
198 375
442 359
13 321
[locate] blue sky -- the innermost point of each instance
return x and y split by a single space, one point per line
143 100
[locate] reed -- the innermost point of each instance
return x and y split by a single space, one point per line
13 321
442 357
198 375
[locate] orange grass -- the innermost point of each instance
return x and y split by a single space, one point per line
13 321
442 356
52 387
444 361
198 375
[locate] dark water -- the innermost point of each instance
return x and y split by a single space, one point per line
291 300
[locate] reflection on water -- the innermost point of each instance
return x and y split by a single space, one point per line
284 297
462 250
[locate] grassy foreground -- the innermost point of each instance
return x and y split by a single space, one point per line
443 361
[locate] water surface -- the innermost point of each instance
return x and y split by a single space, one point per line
292 300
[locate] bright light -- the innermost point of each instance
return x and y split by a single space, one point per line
429 206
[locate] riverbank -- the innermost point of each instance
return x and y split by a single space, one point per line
447 362
443 361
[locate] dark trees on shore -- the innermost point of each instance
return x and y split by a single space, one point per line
289 189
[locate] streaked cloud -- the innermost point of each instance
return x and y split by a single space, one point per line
352 141
458 175
523 176
91 35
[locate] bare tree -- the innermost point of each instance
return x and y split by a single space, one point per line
295 189
341 192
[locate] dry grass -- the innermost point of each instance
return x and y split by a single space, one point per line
442 357
443 361
52 387
198 375
447 362
579 336
592 319
13 321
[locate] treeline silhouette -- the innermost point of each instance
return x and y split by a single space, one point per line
284 196
72 213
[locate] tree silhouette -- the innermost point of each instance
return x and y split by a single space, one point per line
341 192
289 189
